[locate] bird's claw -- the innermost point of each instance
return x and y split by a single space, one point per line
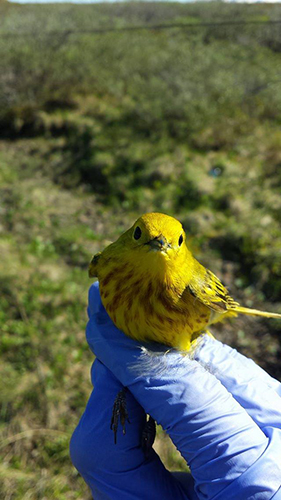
148 436
119 412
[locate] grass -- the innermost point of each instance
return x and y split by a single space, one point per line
180 122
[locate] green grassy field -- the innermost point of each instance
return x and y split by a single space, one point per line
95 130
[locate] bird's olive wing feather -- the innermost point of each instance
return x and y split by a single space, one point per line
209 290
93 267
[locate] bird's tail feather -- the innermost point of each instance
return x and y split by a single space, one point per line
256 312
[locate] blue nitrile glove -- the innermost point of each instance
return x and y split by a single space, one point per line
221 410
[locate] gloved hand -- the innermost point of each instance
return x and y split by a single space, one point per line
220 409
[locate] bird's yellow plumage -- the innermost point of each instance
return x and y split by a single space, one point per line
154 289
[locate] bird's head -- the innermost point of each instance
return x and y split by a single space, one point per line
155 245
157 241
155 232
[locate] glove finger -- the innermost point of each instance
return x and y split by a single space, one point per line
94 300
251 386
217 351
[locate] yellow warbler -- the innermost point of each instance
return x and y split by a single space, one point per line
154 289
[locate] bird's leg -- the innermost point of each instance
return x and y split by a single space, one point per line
119 411
148 436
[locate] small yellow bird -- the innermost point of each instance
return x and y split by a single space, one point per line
155 290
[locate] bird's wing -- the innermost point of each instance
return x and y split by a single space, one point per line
94 265
209 290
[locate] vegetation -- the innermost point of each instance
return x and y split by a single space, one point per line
94 130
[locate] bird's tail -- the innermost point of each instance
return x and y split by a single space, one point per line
256 312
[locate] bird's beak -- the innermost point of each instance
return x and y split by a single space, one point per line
159 243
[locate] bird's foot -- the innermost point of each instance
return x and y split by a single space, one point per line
119 412
148 436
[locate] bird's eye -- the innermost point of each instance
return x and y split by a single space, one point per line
180 240
137 233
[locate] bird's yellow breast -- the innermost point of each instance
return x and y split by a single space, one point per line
150 309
